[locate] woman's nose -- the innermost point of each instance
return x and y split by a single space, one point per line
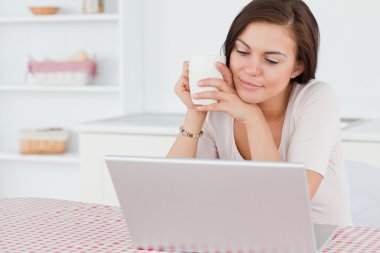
253 67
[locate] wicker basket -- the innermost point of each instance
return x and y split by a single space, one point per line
43 141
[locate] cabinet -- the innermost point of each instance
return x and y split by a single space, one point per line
361 142
134 135
153 135
96 182
27 105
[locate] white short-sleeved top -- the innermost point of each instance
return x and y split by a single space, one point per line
310 135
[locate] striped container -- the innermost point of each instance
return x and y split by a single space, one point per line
63 72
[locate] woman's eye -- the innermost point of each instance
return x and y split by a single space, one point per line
242 52
271 62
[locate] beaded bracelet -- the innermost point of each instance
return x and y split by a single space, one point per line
187 134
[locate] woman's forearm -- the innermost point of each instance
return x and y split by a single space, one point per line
261 143
185 146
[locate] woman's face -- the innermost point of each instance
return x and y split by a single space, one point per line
263 61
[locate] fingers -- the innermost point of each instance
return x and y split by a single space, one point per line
182 84
216 95
216 107
218 83
185 75
185 69
226 73
185 81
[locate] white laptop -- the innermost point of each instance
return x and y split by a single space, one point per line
193 205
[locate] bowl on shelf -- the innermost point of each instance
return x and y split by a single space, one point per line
44 10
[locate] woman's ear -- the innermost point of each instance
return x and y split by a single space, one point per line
298 69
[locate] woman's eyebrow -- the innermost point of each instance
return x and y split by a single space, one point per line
245 44
276 52
268 52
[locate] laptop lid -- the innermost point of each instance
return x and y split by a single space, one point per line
214 205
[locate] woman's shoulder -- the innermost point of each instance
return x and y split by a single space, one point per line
312 92
314 87
313 98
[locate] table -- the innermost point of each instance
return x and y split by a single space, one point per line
49 225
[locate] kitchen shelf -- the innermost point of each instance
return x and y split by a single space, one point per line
60 18
37 88
67 158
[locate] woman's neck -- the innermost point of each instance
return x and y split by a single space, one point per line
275 108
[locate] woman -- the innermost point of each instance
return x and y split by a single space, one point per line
270 107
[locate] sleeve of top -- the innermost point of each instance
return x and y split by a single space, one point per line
206 145
317 128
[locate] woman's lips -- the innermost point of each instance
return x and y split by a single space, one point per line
249 85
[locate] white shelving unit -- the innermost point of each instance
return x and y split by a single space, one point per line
35 88
114 38
67 158
60 18
109 90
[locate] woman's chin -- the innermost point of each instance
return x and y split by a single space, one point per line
249 98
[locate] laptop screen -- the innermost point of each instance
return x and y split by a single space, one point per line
214 205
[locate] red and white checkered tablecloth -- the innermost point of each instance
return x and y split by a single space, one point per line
47 225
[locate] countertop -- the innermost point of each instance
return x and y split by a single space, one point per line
153 124
367 130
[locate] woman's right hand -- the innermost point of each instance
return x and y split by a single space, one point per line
182 87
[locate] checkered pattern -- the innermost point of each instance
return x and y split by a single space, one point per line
46 225
355 239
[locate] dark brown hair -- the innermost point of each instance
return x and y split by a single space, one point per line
293 14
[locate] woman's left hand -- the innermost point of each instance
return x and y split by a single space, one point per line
226 95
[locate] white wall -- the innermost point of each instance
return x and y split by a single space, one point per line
176 29
349 53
